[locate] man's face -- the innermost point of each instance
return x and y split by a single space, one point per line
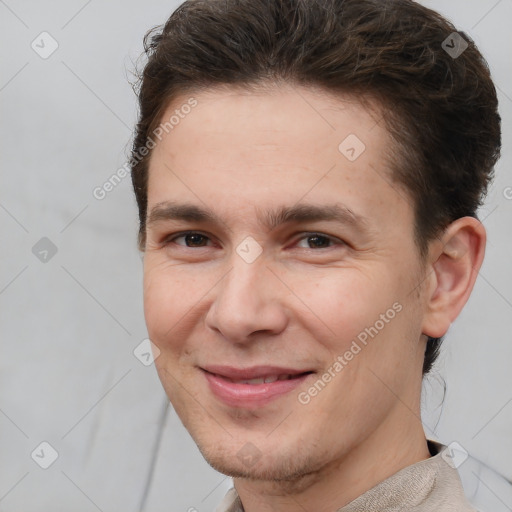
328 306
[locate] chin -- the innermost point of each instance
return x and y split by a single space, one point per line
270 464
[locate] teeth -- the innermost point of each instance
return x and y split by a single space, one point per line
263 380
252 381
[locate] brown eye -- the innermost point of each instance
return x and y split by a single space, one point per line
192 239
319 241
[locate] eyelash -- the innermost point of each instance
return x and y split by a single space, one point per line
173 237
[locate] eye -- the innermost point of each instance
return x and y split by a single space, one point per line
195 239
320 241
192 239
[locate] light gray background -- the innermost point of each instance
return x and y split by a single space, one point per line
68 375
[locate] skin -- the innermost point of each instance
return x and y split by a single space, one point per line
303 301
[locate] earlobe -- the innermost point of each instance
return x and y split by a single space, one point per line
456 261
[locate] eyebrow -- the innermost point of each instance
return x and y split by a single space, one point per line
271 219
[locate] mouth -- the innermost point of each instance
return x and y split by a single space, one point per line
252 387
267 379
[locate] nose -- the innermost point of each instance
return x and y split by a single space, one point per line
248 302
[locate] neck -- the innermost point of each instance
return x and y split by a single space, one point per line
394 446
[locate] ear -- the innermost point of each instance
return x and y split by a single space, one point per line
455 262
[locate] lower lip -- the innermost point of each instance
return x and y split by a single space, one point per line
251 395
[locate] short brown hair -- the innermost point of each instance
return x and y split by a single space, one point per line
440 107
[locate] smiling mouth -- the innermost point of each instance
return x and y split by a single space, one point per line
252 388
268 379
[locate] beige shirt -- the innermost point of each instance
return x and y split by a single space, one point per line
427 486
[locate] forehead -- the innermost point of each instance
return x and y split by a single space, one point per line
290 116
286 144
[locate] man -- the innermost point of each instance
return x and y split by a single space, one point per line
307 175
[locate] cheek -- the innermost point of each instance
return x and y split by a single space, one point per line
344 302
167 300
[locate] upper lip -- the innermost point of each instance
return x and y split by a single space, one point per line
253 372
